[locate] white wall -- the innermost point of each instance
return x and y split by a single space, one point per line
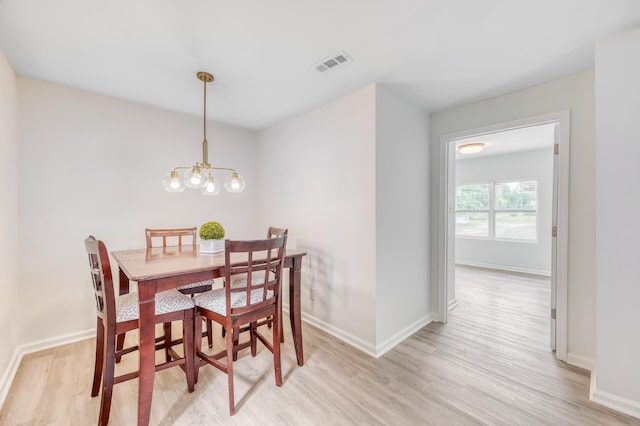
402 219
532 257
317 176
90 164
617 230
575 92
8 221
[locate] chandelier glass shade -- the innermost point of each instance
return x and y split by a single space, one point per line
200 176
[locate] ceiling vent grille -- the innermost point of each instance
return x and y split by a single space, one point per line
333 62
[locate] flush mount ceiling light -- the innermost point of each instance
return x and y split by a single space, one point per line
471 148
200 176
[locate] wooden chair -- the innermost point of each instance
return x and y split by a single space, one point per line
233 307
118 314
181 237
241 281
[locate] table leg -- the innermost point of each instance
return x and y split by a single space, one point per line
123 283
146 294
294 307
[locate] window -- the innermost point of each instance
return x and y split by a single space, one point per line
472 210
500 210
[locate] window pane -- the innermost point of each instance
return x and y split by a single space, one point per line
516 225
472 224
472 197
516 195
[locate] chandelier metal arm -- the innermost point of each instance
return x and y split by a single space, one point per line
204 167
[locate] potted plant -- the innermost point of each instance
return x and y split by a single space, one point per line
211 237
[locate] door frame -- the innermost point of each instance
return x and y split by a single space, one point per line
446 230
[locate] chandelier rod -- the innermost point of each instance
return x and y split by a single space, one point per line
206 78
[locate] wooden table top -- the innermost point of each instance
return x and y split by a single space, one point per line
159 262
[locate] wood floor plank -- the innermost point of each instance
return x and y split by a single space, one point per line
489 365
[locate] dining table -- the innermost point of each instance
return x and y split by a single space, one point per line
163 268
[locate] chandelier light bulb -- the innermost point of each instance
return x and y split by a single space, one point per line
234 183
193 178
173 183
211 187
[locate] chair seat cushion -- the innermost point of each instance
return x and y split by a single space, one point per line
240 280
216 301
196 284
166 301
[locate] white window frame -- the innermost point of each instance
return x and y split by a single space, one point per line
493 211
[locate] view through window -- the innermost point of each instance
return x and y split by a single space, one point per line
497 210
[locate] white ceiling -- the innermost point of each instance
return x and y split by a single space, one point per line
438 53
529 138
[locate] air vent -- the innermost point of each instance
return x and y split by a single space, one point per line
332 62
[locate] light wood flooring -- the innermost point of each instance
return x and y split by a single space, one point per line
489 365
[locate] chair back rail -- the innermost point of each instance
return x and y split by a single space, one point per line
179 233
101 278
265 259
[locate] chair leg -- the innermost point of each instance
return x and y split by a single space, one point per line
235 334
167 340
210 332
107 379
252 337
277 367
197 325
279 314
230 358
120 344
187 341
97 368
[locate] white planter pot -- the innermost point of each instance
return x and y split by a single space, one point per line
211 246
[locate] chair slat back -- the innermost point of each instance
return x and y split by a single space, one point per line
174 236
262 269
274 232
101 278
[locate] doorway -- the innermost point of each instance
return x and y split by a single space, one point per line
495 225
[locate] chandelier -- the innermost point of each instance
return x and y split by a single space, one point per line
200 176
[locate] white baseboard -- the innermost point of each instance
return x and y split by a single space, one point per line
580 361
346 337
362 345
623 405
453 303
505 268
391 342
14 363
9 374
